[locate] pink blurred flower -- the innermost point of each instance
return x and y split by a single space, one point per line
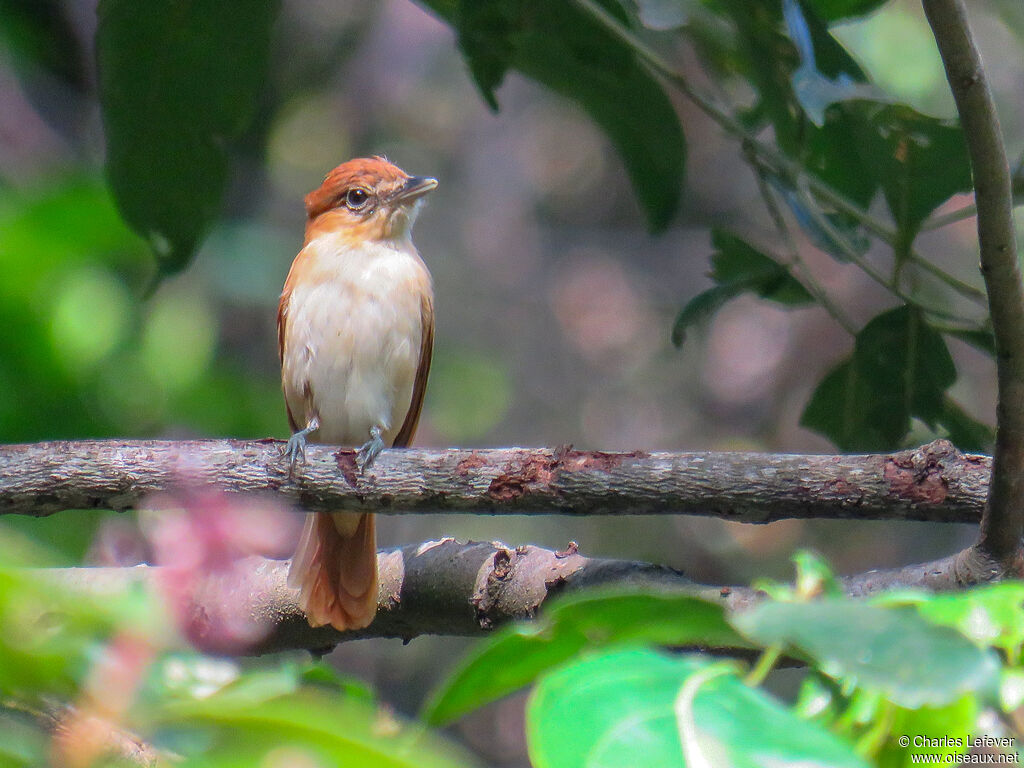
203 542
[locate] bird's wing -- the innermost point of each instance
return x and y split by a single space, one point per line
419 388
282 323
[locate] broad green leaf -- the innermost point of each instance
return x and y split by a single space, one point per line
816 699
814 90
991 615
1011 689
40 35
322 674
336 730
942 731
965 432
664 14
736 261
701 307
892 650
814 577
984 341
23 743
834 10
644 709
917 161
900 368
517 654
920 162
50 634
561 46
738 268
177 85
768 60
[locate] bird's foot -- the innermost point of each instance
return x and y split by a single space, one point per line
370 450
295 449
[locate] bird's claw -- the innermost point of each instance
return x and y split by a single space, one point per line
370 450
295 449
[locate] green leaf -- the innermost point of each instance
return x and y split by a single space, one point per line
700 308
561 46
813 89
40 35
892 650
965 432
768 60
22 741
814 577
736 261
917 161
644 709
834 10
738 268
817 699
517 654
948 727
177 85
665 14
991 615
920 162
900 368
331 729
985 341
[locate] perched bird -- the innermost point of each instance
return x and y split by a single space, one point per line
355 333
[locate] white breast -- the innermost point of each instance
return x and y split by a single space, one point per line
352 339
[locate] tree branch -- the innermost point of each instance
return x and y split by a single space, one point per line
934 483
442 588
1003 522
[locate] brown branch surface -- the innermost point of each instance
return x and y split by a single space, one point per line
1003 523
443 588
934 483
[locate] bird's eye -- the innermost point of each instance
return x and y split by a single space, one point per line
356 199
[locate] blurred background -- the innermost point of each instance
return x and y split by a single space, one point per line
554 304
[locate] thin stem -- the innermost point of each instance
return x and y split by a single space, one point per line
765 663
797 267
964 289
874 738
853 255
1003 522
781 165
961 214
938 222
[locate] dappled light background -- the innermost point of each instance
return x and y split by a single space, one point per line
554 304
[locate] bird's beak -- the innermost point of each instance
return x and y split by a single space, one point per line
413 189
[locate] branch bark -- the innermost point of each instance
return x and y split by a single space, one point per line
439 588
1003 521
934 483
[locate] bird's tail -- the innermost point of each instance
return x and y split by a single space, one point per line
335 570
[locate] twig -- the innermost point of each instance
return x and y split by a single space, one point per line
1003 523
934 482
967 212
797 267
782 166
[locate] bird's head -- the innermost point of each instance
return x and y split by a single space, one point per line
367 198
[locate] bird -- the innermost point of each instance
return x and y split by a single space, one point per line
355 329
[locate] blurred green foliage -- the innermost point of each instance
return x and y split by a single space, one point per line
66 655
910 664
93 346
